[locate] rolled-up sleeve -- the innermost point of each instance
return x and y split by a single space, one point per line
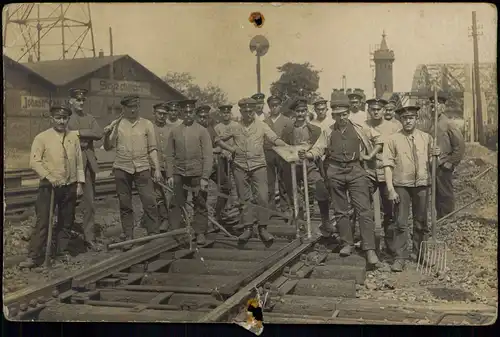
269 133
151 137
389 153
318 149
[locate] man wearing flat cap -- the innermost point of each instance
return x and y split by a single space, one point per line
357 111
56 156
162 131
249 167
134 141
386 128
174 112
259 107
225 126
89 131
407 159
346 146
452 145
299 133
219 175
392 102
190 163
277 122
322 119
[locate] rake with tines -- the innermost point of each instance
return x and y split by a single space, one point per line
432 253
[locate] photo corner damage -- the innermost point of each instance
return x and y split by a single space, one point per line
257 19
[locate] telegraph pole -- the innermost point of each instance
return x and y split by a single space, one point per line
477 85
260 45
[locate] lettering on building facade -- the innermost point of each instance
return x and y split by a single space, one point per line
105 86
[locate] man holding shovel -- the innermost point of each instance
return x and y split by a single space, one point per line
303 132
56 157
407 159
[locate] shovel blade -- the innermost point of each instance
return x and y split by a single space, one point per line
432 257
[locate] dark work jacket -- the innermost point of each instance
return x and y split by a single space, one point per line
90 131
287 134
281 123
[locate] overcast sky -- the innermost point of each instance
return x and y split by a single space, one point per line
211 40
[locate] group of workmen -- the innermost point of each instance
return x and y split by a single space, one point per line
351 156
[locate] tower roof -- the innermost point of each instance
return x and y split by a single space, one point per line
383 44
383 53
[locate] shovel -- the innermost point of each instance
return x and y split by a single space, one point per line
306 195
432 253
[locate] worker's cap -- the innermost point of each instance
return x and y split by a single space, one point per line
259 97
160 107
320 102
77 93
441 95
188 103
275 99
407 110
203 108
299 104
247 102
376 103
60 111
225 108
339 102
356 93
130 101
171 105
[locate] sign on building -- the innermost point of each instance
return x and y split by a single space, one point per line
34 103
104 87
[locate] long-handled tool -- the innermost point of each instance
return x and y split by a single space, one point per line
432 253
376 210
295 198
48 248
306 195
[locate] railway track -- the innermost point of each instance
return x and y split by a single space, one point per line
300 281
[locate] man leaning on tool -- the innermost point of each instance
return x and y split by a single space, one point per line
89 131
218 175
249 167
189 163
56 157
303 132
134 139
451 142
162 131
344 145
406 159
277 122
386 128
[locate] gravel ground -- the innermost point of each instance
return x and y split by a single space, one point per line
471 238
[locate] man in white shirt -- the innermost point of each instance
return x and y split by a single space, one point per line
259 108
322 120
56 157
357 112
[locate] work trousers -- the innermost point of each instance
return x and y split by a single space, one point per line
387 208
144 185
445 197
88 205
275 171
163 199
251 186
352 178
200 220
220 175
315 181
417 198
65 203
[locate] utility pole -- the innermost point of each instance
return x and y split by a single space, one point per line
477 86
344 83
260 45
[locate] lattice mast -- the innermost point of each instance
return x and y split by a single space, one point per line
37 32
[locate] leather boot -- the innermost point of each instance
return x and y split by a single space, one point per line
246 235
325 228
127 246
398 265
346 250
371 257
265 235
29 263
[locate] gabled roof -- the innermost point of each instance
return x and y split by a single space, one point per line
7 61
64 72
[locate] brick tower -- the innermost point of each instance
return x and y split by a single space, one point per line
383 58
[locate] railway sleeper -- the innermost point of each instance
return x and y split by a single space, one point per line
341 272
279 318
85 313
352 260
233 255
188 280
319 287
252 244
228 268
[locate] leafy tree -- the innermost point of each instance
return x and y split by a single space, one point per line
296 79
211 94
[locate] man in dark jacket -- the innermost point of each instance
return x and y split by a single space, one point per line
189 162
89 131
451 142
